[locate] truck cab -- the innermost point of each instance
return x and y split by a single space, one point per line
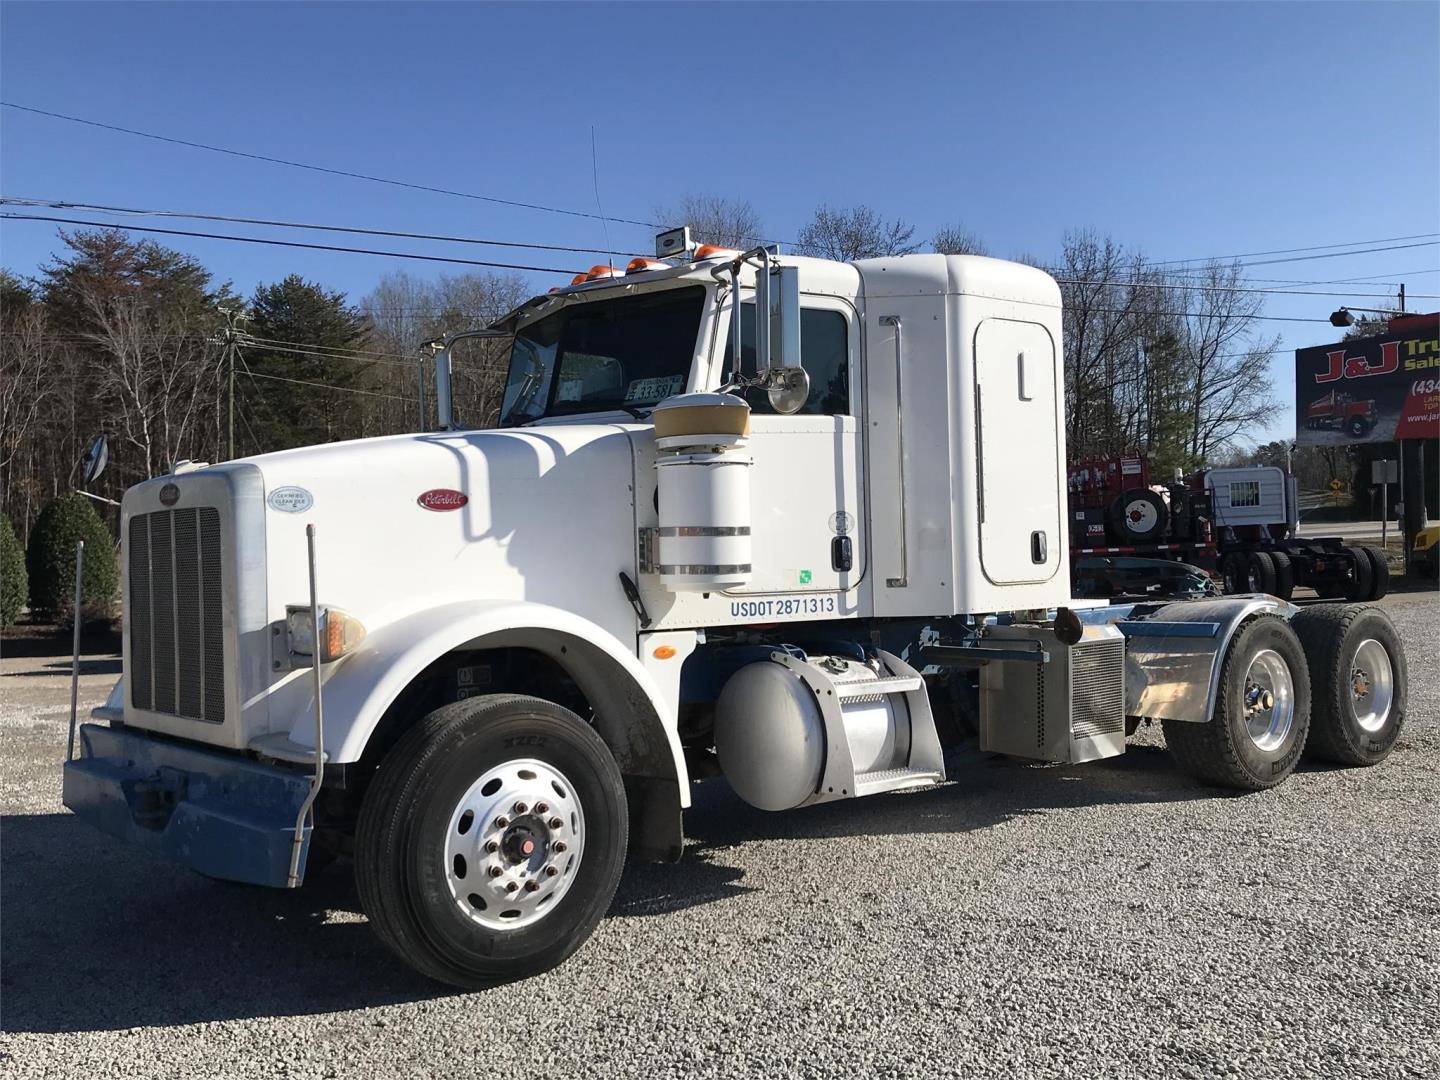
809 551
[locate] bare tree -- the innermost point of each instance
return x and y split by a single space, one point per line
405 311
857 233
158 372
956 239
24 383
715 219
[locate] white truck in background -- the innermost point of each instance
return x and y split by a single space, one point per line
810 552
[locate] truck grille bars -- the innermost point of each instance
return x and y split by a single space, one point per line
177 653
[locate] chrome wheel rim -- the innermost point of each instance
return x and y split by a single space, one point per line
1252 578
1372 685
1269 696
514 844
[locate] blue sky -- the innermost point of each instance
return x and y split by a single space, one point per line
1182 130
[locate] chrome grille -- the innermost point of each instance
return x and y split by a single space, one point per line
1097 689
177 656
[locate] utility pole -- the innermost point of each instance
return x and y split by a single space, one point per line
1402 296
231 337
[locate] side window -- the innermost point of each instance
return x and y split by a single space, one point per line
1245 493
824 353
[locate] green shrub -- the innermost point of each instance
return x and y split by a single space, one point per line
51 561
14 581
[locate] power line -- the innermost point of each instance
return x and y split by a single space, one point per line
1291 251
289 243
327 386
317 168
196 216
1143 284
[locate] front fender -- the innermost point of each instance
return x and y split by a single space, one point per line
1174 651
360 687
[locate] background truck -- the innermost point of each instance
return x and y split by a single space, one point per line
794 521
1241 523
1338 411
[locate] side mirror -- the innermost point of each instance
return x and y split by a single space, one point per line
777 338
97 456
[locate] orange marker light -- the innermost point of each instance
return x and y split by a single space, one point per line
664 652
598 272
713 251
639 264
578 279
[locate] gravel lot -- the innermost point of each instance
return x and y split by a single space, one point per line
1112 919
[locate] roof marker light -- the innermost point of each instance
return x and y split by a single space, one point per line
714 251
640 264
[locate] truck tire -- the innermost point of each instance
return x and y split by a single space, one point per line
470 819
1284 575
1139 515
1358 668
1259 572
1360 579
1248 744
1379 573
1358 427
1232 572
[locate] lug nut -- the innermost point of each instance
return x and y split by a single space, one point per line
495 871
492 846
519 808
502 821
551 871
558 846
555 823
542 808
510 886
531 885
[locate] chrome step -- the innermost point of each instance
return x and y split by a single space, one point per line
895 780
895 684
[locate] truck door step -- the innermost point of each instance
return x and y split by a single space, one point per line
894 684
895 780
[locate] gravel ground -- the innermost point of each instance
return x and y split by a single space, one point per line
1113 919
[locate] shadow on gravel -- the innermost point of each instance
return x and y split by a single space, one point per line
101 666
986 790
100 936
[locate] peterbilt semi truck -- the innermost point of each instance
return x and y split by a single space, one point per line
809 551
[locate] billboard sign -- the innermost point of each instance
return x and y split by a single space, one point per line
1371 389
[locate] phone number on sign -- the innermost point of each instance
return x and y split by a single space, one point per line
799 605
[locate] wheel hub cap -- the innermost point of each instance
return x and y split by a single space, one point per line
514 844
1269 700
1372 685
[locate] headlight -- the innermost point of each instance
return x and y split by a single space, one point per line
340 632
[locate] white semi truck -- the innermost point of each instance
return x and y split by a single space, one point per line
810 552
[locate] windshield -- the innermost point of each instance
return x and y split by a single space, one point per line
625 353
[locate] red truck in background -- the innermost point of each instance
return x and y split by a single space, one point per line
1338 411
1240 523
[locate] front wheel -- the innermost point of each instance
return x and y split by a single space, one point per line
491 840
1262 713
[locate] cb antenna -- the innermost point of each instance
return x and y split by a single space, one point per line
595 179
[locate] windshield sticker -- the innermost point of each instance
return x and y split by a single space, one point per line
571 390
654 389
290 500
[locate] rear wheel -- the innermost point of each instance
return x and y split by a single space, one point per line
491 840
1360 575
1379 573
1260 572
1284 575
1358 668
1261 717
1232 571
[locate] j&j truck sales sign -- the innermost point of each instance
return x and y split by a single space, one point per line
1371 389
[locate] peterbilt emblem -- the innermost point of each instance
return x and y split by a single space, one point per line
441 499
169 495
